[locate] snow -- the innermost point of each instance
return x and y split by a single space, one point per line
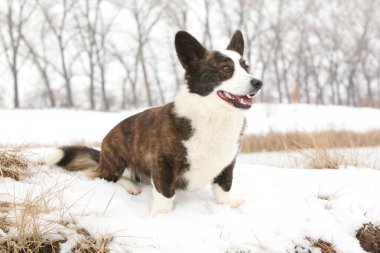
63 127
283 206
369 156
264 118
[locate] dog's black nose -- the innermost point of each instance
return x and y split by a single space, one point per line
256 83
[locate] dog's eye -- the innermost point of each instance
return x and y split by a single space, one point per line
227 69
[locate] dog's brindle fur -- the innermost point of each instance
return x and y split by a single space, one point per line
151 144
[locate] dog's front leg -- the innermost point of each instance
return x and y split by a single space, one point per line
222 185
163 192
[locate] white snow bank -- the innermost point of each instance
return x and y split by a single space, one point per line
283 206
368 156
63 127
264 118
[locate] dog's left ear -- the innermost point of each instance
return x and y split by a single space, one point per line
237 42
189 50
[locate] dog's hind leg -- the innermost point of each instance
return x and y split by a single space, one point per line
126 182
113 168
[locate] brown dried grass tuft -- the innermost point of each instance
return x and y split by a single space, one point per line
369 237
33 236
13 164
31 244
325 247
91 244
322 158
4 224
307 140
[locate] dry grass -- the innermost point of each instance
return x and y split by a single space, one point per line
90 244
316 150
29 227
322 158
22 223
4 224
27 221
307 140
369 237
325 247
32 244
13 164
37 237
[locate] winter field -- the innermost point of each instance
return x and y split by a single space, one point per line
64 127
289 207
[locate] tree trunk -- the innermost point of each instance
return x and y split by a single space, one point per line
15 88
65 73
146 81
104 91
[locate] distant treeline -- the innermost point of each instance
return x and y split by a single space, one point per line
119 54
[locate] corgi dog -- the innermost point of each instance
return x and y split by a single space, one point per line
185 144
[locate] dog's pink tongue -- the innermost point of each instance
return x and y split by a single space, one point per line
245 100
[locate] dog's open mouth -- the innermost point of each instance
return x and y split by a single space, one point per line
243 102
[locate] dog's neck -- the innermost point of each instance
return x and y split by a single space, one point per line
189 104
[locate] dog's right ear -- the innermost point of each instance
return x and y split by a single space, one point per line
189 50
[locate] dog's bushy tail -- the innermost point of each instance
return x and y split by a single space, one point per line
75 158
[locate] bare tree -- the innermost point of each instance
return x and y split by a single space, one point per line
146 15
178 12
16 15
93 32
127 78
41 62
304 51
62 37
207 38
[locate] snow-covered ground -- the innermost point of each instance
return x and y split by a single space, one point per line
282 208
63 127
367 156
284 205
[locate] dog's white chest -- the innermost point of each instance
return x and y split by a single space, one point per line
212 147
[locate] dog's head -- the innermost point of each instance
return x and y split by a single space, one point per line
222 74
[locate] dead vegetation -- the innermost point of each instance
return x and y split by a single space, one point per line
90 244
23 226
369 237
324 247
13 164
309 140
4 224
317 150
27 225
30 245
323 158
41 236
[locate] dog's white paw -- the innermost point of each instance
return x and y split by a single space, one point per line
158 208
129 186
161 204
222 197
234 203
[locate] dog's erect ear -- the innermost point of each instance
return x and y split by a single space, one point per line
189 50
237 42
